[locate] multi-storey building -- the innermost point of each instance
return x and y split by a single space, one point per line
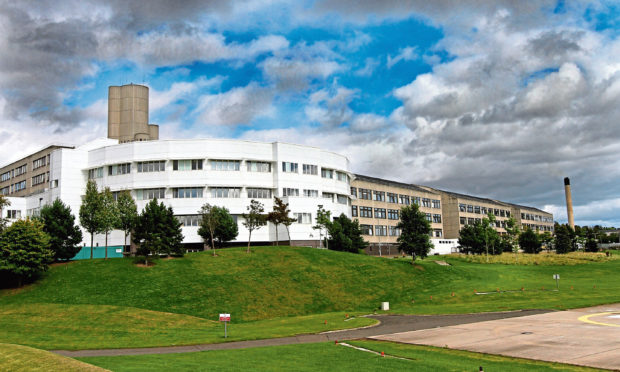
532 218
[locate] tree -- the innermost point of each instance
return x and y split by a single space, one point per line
471 239
346 235
65 236
591 244
127 213
491 237
280 215
415 232
108 215
4 202
564 239
511 238
254 219
322 219
226 229
157 231
547 240
89 212
529 242
209 222
24 249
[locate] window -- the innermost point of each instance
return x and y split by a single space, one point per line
116 169
366 229
470 221
354 191
19 186
366 212
426 202
188 164
436 203
13 214
462 208
4 191
151 166
5 176
354 211
484 210
187 192
416 200
463 220
21 170
342 199
328 195
38 179
496 212
470 208
392 214
225 165
477 209
95 173
437 218
379 212
303 217
189 220
365 194
259 193
311 193
38 163
438 233
429 218
394 231
341 176
310 169
148 194
404 199
258 166
392 198
290 192
225 192
502 213
289 167
379 195
381 230
327 173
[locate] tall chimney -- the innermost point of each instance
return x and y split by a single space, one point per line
569 203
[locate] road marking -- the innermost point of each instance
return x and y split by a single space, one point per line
586 319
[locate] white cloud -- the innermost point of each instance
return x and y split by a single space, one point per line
238 106
404 54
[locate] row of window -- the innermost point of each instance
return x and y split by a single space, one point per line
535 217
14 214
367 194
194 219
226 192
13 173
472 221
40 162
483 210
537 227
392 214
383 230
13 188
311 169
40 178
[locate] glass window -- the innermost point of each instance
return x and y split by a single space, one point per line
95 173
148 194
258 166
342 199
437 218
254 193
366 212
429 217
379 195
380 213
117 169
381 230
426 202
310 169
404 199
327 173
187 192
365 194
354 191
189 220
477 209
225 192
416 200
151 166
462 208
303 217
188 164
225 165
290 192
289 167
311 193
463 220
392 198
470 208
392 214
366 229
436 203
394 231
354 211
342 177
438 233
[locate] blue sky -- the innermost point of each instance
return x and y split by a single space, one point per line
500 99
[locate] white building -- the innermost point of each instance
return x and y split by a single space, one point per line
185 174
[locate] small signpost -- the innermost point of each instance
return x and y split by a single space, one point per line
557 280
225 318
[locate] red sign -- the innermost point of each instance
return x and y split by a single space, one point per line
224 317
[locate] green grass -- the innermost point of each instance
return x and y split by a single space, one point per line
326 357
544 258
17 358
267 291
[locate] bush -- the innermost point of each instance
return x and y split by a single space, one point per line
529 242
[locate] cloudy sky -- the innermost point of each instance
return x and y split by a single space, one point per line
500 100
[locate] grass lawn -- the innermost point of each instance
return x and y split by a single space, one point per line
98 303
326 357
17 358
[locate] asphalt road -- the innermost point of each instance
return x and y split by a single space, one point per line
389 324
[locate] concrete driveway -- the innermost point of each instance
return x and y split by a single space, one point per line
587 337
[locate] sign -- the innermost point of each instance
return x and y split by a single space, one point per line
224 317
556 276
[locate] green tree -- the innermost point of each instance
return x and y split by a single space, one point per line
547 240
280 215
346 235
24 249
226 229
254 219
564 241
322 222
157 231
530 242
89 212
127 213
108 215
471 239
4 202
591 245
65 236
511 239
415 232
209 222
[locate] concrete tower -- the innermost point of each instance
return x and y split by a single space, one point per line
128 114
569 203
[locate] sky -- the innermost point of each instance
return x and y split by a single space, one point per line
500 99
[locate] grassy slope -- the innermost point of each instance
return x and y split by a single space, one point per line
15 358
327 356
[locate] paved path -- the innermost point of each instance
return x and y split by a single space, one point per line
389 324
587 337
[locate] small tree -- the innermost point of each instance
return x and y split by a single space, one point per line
89 212
512 236
127 213
415 232
108 215
323 220
529 242
59 224
157 231
254 219
24 249
564 241
471 239
226 229
591 244
209 222
4 202
346 235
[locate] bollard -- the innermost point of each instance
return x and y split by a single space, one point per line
571 287
431 298
336 342
326 322
480 369
452 294
498 289
383 354
522 289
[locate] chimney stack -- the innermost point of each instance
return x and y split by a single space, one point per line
569 203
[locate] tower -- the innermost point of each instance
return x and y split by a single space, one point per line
569 203
128 114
